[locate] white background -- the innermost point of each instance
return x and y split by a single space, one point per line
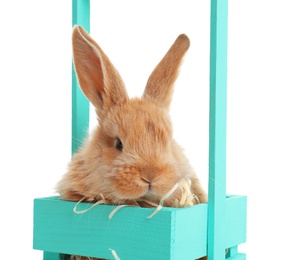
35 100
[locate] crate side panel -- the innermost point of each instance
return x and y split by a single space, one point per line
235 228
190 236
58 229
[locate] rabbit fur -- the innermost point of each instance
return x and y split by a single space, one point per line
131 155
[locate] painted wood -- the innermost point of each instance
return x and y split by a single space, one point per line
80 104
238 257
234 221
172 234
233 254
52 256
217 130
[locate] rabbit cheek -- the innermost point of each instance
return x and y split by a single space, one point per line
128 184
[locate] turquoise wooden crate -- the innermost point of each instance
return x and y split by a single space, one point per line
215 228
179 233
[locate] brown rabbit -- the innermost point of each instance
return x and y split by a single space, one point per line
132 154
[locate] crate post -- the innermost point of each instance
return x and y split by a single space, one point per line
80 104
217 129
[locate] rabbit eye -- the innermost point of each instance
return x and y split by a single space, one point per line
119 145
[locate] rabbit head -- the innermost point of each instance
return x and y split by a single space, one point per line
132 154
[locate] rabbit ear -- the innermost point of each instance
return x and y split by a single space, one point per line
160 83
97 77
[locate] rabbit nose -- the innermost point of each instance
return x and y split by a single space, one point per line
147 181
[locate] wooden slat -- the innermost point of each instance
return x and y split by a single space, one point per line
80 104
217 130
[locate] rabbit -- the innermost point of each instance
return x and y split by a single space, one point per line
132 154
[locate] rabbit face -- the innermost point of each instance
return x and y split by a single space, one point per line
138 140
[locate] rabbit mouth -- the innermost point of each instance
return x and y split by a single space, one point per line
155 195
151 192
133 183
